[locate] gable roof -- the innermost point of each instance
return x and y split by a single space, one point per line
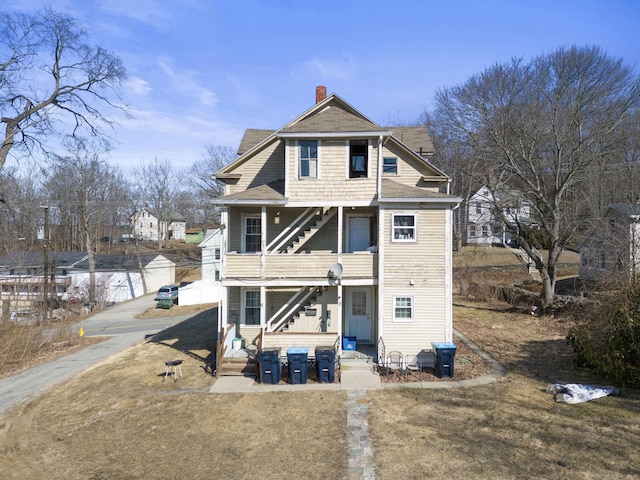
76 260
333 117
625 209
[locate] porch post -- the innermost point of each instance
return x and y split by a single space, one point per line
263 306
340 223
263 241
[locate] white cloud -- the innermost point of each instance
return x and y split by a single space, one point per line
137 86
329 69
186 82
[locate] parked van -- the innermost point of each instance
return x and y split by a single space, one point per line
168 292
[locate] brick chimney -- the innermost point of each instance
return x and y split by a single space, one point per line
321 93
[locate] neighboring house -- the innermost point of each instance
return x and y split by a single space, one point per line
613 246
194 235
335 226
208 289
118 277
211 255
145 226
485 225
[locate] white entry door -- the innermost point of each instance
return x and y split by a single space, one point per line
359 234
359 314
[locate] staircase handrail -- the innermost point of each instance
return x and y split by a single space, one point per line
288 229
292 310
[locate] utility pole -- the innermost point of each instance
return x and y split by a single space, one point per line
45 248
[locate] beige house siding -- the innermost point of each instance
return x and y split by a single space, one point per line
265 167
333 181
416 269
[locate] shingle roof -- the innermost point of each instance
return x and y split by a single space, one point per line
416 138
252 137
394 190
75 260
626 209
332 119
270 191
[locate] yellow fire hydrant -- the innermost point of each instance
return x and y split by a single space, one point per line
81 332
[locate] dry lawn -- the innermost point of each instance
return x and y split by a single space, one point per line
511 428
120 420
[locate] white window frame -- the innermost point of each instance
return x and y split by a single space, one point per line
244 231
243 315
299 161
411 307
395 165
404 227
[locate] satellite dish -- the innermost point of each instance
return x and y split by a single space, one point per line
336 271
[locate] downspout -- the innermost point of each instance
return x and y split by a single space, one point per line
380 246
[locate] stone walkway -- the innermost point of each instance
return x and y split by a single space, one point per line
359 442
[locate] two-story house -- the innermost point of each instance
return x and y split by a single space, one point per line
485 223
146 226
335 226
612 247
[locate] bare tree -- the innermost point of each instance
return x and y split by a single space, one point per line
48 70
539 127
199 178
86 187
158 185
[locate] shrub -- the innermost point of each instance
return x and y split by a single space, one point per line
608 338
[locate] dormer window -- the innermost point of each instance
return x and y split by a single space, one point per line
308 165
358 158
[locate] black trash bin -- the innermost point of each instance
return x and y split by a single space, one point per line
297 357
445 353
270 368
326 364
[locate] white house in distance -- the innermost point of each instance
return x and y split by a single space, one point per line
145 226
612 247
485 226
208 289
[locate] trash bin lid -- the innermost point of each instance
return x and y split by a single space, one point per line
297 350
440 345
329 348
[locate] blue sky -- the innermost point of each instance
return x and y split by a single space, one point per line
201 71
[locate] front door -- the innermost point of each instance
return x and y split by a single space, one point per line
359 314
359 234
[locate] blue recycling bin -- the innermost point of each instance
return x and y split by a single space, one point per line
325 364
445 353
297 359
270 367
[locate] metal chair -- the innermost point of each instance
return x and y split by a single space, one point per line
394 361
412 364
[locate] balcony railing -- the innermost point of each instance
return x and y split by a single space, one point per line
304 265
